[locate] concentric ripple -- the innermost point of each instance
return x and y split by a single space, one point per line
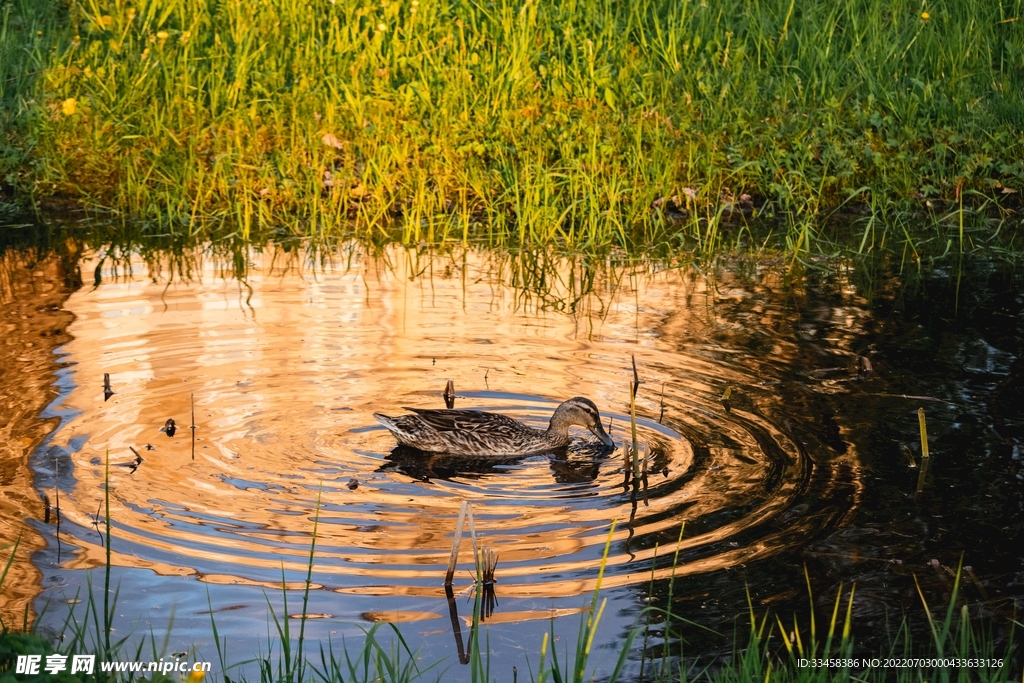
283 374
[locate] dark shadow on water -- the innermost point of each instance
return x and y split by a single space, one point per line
579 463
953 348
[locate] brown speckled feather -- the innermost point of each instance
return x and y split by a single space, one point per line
468 420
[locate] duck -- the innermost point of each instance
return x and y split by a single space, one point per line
475 432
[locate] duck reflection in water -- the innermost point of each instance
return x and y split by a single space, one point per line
577 464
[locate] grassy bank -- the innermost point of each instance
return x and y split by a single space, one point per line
766 648
589 123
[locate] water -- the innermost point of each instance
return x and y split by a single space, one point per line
802 466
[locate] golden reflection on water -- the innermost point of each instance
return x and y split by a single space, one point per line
33 288
286 368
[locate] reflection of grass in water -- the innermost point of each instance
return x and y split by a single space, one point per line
522 122
543 279
956 641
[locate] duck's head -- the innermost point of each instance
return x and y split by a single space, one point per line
581 411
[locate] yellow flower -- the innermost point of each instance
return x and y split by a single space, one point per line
106 20
382 26
925 16
68 106
162 35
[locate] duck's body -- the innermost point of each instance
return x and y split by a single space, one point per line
473 432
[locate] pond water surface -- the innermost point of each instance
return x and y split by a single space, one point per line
806 464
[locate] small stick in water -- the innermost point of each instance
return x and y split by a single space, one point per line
96 519
107 391
138 460
632 428
449 395
456 542
490 563
46 509
924 454
472 535
924 432
193 425
56 493
725 399
981 588
921 473
632 418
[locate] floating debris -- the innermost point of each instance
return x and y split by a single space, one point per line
133 464
169 427
107 391
977 584
138 460
353 484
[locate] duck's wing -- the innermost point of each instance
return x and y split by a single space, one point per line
467 421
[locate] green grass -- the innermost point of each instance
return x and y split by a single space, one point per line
525 122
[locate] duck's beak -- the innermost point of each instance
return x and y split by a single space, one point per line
599 432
